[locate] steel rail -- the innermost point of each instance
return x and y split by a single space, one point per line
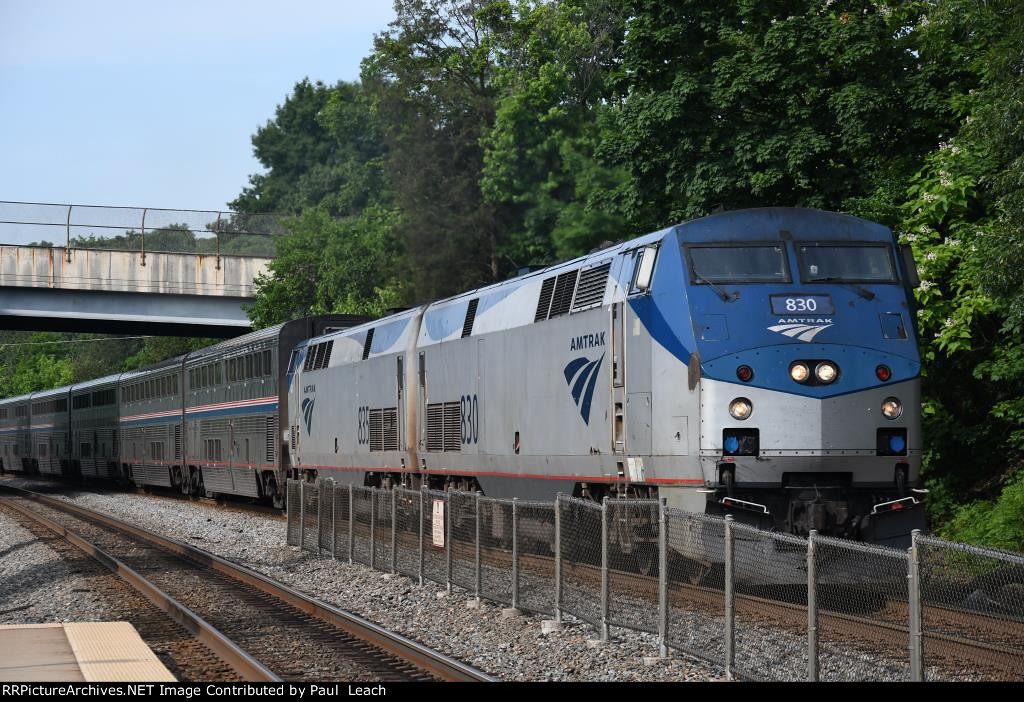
425 658
245 665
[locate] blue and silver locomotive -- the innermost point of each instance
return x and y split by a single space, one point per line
761 363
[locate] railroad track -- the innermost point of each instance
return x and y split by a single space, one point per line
264 630
47 485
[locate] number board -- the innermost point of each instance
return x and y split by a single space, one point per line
802 304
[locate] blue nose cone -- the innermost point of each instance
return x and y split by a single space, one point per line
897 444
732 444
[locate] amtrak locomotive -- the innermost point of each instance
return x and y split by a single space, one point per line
761 363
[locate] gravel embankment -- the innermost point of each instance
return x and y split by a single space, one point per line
38 585
511 648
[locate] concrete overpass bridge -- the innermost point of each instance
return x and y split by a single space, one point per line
104 280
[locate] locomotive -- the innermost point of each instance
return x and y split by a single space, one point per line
760 363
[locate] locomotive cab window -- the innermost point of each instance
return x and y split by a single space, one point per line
737 263
846 263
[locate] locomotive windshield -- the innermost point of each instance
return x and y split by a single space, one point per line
860 263
744 263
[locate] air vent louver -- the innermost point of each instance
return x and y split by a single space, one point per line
444 426
565 286
544 303
467 326
590 291
271 439
368 343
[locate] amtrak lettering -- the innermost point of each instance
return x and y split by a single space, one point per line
586 341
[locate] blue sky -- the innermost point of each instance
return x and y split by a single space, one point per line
153 104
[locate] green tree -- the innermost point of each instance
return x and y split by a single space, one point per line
794 102
306 165
328 265
556 66
431 76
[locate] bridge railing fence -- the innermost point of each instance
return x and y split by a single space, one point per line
757 604
142 229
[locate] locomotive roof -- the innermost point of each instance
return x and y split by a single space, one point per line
502 287
798 223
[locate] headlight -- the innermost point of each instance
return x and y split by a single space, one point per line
892 408
799 372
740 408
826 372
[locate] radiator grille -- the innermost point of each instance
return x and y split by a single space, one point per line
435 427
590 290
467 326
452 426
544 303
376 430
368 344
391 429
444 427
565 286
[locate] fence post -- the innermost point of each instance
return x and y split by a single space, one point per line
914 596
394 530
373 528
812 608
730 599
351 523
605 589
423 496
476 554
448 539
515 553
334 520
289 513
319 496
558 558
662 579
302 515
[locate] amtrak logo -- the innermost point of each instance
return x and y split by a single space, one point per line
801 328
307 413
581 375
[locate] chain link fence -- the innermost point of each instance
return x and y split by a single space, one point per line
633 574
142 229
696 585
497 570
972 611
435 541
407 531
579 559
762 605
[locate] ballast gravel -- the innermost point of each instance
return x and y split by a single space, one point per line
37 585
513 648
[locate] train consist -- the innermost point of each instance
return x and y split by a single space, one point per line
206 422
761 363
